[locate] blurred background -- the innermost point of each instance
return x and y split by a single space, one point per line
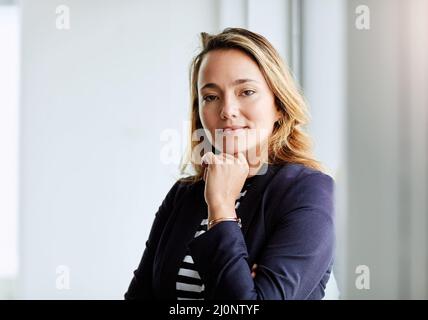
93 110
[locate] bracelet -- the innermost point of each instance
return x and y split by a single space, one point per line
215 221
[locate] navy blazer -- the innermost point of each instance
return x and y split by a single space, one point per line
287 230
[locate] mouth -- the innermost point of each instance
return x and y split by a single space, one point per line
233 130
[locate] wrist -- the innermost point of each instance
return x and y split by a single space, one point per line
221 211
212 223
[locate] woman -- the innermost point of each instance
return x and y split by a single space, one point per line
255 220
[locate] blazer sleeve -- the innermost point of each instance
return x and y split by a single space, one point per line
141 283
297 254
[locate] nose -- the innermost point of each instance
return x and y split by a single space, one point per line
229 108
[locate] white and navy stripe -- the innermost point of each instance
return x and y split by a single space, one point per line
189 285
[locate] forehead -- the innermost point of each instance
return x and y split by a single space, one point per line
227 65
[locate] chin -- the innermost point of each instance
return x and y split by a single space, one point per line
234 149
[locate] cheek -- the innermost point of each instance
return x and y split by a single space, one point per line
209 120
206 117
260 110
261 118
268 117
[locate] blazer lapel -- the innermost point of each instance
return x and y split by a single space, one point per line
249 205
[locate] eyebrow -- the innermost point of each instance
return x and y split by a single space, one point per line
235 83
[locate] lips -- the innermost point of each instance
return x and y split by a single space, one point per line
234 128
231 130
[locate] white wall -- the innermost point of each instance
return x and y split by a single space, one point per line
9 82
323 74
95 99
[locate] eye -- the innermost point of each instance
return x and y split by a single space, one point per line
209 98
248 93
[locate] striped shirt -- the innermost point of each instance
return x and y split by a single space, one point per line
189 285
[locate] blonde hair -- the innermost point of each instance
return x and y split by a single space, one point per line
288 142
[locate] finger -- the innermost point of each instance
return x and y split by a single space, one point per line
232 158
227 158
241 157
208 158
205 174
253 271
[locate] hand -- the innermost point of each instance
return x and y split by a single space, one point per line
224 178
253 271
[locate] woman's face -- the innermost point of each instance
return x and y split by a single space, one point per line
236 104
